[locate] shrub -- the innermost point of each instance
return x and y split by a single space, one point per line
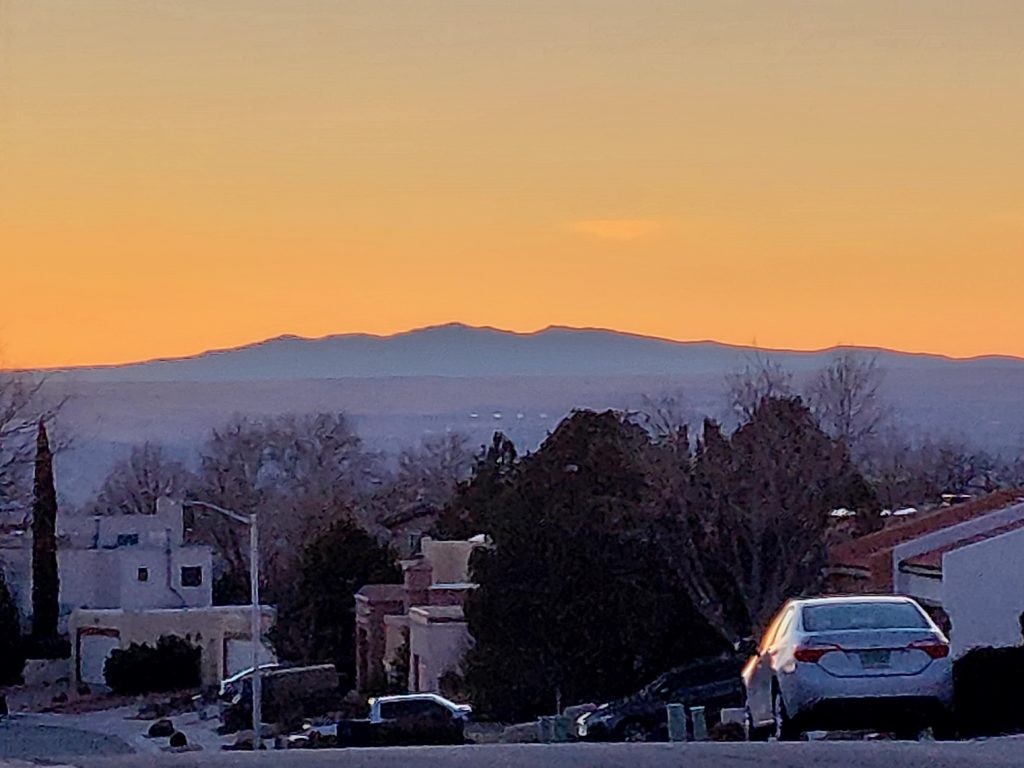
48 648
172 665
988 682
12 649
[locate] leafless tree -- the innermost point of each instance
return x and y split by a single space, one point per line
907 473
134 484
23 403
760 378
667 419
746 529
431 471
422 484
846 398
300 473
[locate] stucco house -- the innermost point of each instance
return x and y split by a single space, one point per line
133 578
129 562
424 613
221 632
965 563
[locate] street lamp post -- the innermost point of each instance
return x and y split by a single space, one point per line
255 627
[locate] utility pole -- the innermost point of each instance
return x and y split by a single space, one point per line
256 619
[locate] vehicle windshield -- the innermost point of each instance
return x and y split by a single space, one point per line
849 616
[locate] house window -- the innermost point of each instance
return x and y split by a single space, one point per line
127 539
143 574
192 576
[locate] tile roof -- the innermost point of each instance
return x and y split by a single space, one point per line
859 552
933 559
873 553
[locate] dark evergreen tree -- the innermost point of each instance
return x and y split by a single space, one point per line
316 613
12 653
467 513
45 579
574 603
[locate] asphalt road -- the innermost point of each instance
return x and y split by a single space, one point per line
39 741
995 753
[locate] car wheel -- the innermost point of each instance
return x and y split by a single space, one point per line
944 727
633 731
784 728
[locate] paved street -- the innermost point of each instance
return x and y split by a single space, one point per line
996 753
21 740
32 738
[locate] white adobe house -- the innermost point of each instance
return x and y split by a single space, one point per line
964 562
127 562
977 579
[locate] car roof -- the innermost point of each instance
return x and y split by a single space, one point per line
840 599
413 697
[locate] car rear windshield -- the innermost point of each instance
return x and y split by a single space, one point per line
844 616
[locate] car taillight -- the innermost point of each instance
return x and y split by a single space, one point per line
936 649
811 654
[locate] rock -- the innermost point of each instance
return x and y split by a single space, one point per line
178 740
161 729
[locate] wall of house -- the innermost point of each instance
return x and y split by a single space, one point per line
449 560
925 589
932 541
371 641
435 648
88 578
214 629
102 532
163 587
983 592
96 571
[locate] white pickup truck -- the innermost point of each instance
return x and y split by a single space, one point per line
406 720
416 705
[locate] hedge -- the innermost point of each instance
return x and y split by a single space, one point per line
172 665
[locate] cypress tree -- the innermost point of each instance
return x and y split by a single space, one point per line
45 580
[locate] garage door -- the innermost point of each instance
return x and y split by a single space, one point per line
94 650
239 656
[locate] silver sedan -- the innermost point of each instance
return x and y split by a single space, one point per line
849 663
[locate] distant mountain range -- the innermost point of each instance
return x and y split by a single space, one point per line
464 351
399 389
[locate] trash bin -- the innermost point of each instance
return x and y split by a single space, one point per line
676 722
700 723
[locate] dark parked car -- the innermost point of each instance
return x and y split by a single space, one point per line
289 695
713 683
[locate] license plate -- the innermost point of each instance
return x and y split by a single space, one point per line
874 659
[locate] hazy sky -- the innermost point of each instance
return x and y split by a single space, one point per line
188 174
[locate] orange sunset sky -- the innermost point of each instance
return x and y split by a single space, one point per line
179 175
